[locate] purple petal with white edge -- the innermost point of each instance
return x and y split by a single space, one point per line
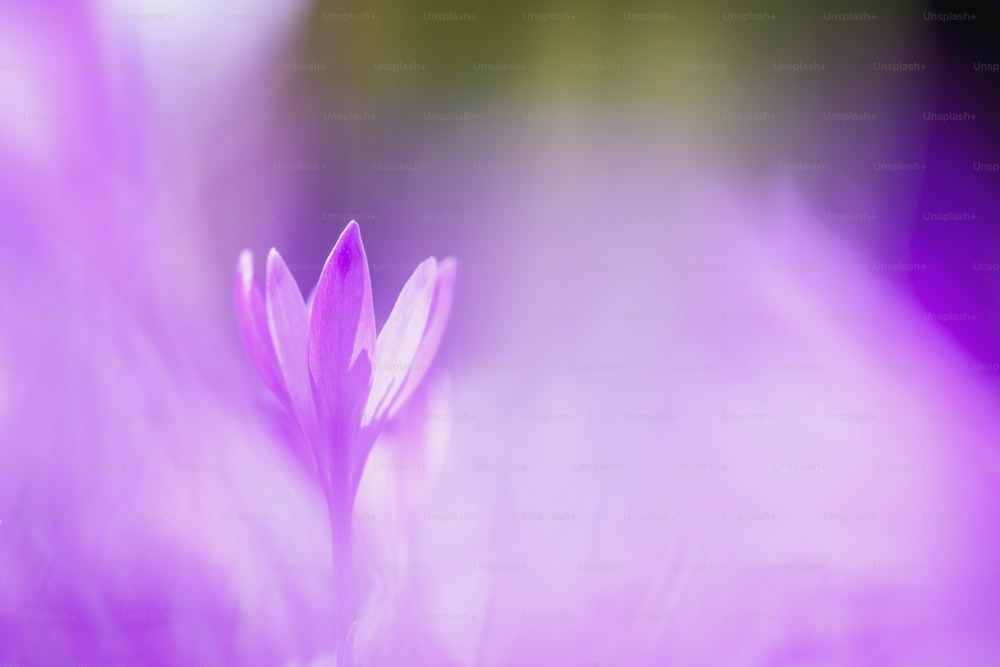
342 334
400 338
288 323
437 322
251 317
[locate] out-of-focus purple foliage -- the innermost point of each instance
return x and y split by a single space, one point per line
146 516
684 424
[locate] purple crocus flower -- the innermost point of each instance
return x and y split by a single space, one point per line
339 380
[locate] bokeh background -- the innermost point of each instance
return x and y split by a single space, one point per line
720 382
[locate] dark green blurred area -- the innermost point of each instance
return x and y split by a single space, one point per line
697 80
720 75
645 70
555 43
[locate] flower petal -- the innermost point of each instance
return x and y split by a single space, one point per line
342 334
252 320
400 338
288 323
437 322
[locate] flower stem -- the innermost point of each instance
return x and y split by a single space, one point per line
343 577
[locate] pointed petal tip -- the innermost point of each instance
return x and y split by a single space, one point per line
430 265
352 229
425 274
347 251
278 274
351 236
276 267
244 270
273 255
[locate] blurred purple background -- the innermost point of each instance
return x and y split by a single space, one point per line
719 386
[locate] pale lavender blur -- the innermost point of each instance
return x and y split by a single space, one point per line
148 516
676 420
